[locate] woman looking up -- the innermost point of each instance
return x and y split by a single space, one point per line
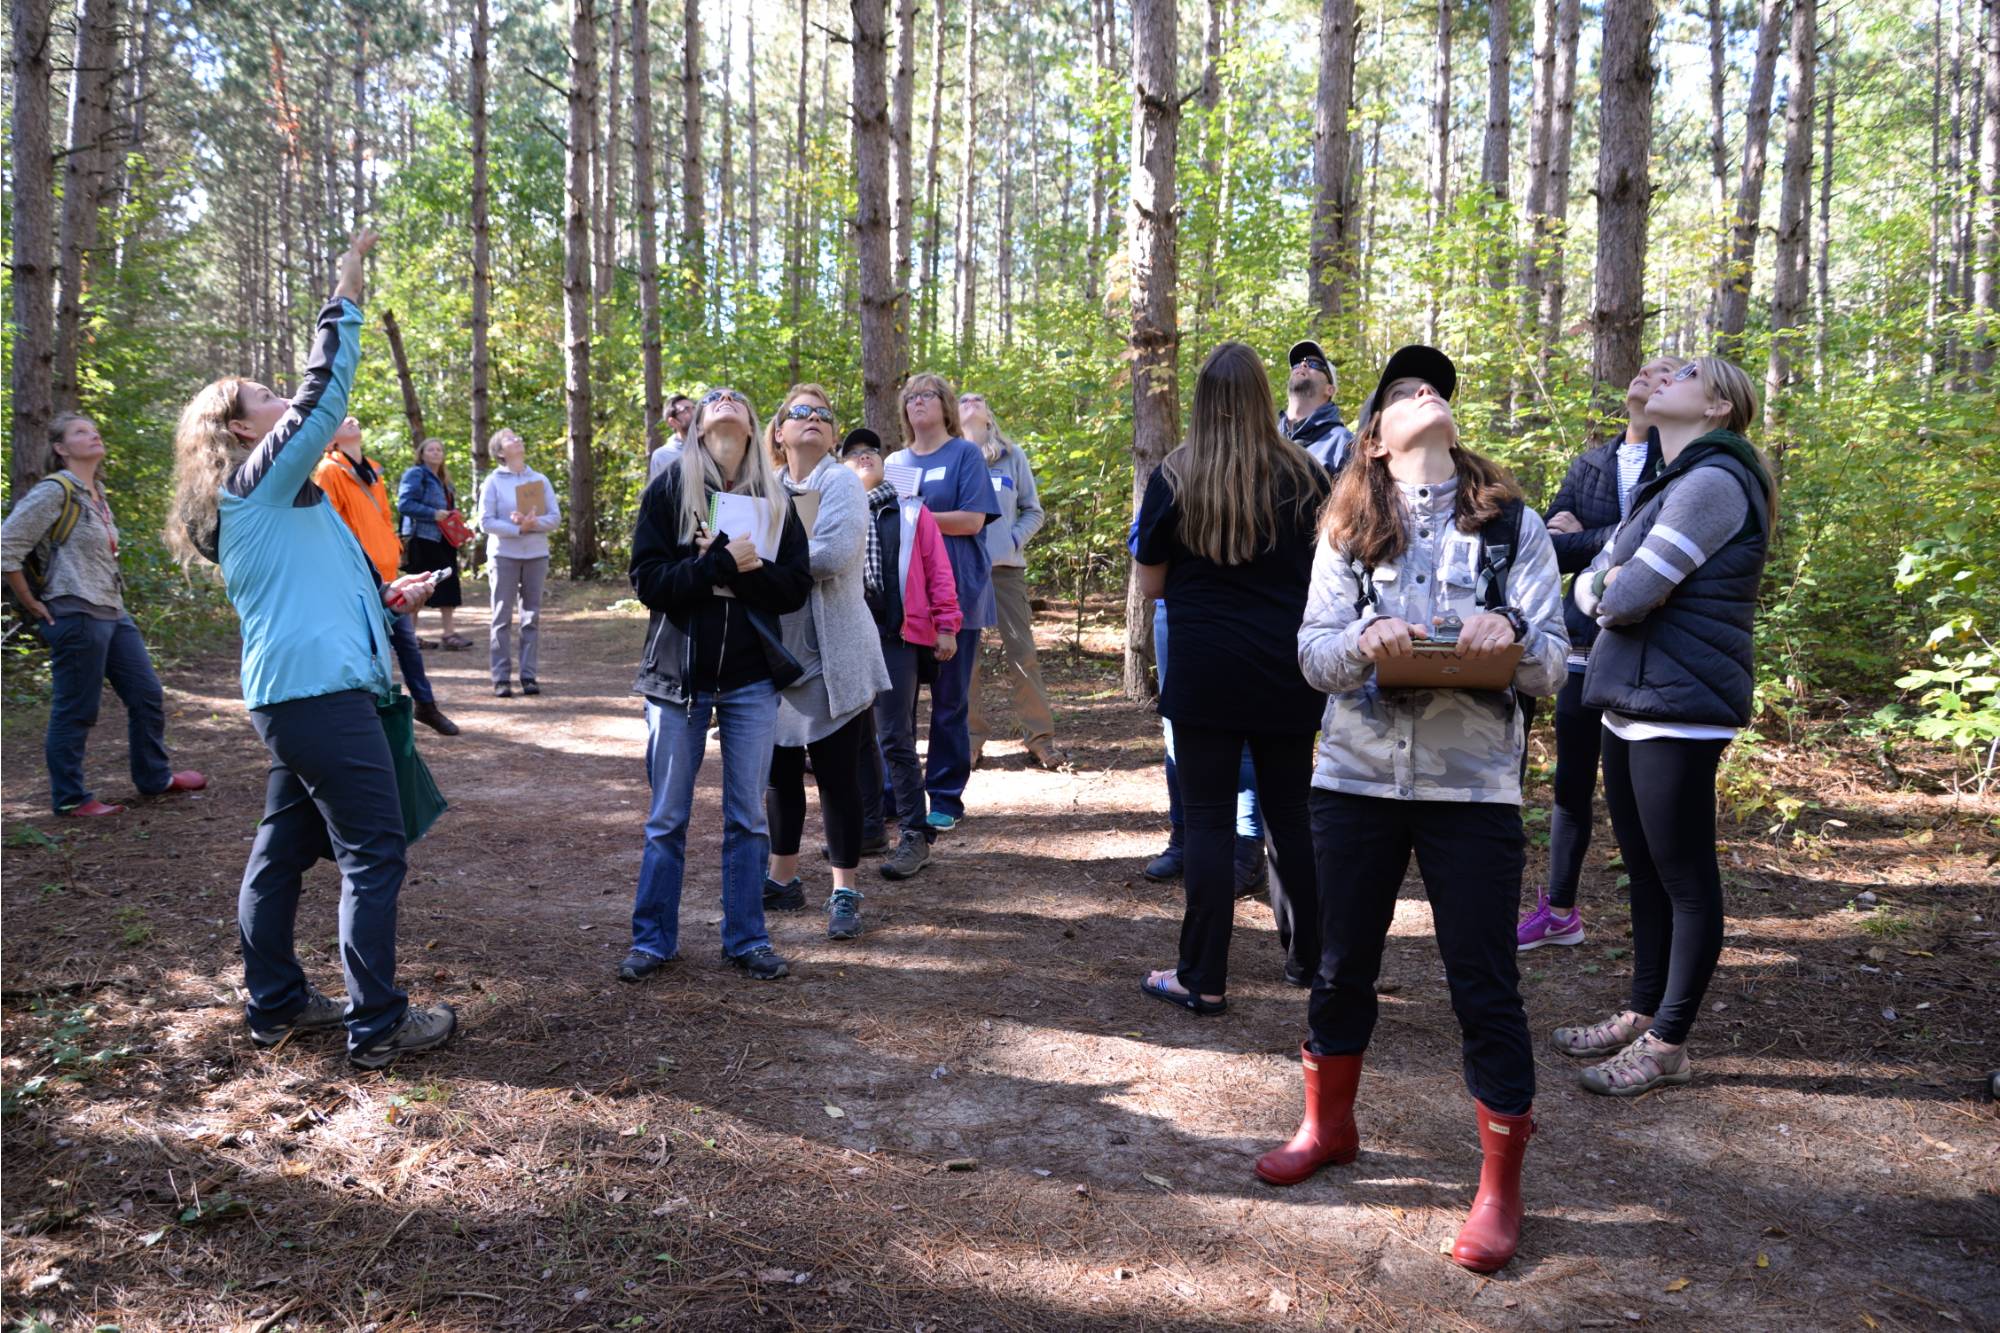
423 496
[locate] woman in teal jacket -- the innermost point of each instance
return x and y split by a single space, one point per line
315 664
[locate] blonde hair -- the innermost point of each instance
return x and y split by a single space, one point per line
777 421
996 443
921 382
700 474
1227 477
206 451
1727 383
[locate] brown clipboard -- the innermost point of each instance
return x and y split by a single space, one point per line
1437 666
532 498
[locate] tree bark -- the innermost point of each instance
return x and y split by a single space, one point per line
83 182
1534 204
965 242
1100 47
31 237
900 109
1155 338
644 203
1732 308
1331 267
1986 287
1440 158
608 170
576 291
1792 282
871 218
359 77
756 201
482 257
1624 193
795 251
1495 150
413 411
728 250
931 222
1823 306
694 234
1004 269
1718 125
1562 124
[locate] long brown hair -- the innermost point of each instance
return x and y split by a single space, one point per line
205 452
1366 518
1229 475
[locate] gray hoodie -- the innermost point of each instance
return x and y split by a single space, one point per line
1020 509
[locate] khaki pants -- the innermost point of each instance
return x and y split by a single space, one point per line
1024 672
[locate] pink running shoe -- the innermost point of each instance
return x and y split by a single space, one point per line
1545 925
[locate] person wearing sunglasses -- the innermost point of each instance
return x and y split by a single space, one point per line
952 480
1311 418
827 711
1674 595
680 411
714 648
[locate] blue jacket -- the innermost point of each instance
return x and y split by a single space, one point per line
420 498
312 613
1590 491
1323 435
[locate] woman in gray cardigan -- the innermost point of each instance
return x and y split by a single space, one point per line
833 636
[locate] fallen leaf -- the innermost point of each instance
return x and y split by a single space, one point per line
45 1281
1763 1260
1776 1231
1122 1275
1679 1284
784 1275
1044 1174
1397 1213
834 1112
1280 1302
1152 1179
962 1164
1869 1320
1889 1014
617 1195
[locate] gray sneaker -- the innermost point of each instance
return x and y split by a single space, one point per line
912 854
843 914
321 1012
421 1030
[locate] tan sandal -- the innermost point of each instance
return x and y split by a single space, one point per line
1639 1068
1598 1040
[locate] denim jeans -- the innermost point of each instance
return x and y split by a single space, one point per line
1249 818
675 740
896 734
948 766
403 638
331 794
84 653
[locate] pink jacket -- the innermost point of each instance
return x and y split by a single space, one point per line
930 593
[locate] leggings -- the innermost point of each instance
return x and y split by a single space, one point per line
836 759
1579 742
1662 799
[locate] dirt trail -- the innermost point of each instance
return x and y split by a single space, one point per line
705 1152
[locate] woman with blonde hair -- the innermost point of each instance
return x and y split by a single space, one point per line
1226 533
952 481
425 496
1424 540
1674 595
714 648
315 667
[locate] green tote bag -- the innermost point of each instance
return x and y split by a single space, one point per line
422 801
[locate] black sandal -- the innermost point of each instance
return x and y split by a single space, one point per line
1187 1000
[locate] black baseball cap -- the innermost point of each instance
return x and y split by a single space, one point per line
860 438
1310 351
1413 362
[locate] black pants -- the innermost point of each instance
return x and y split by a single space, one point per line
1662 799
873 776
1209 759
1470 856
836 759
1579 740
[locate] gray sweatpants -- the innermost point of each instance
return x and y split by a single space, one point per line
516 582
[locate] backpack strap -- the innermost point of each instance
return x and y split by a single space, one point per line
1499 540
72 508
1365 576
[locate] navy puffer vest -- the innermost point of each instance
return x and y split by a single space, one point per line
1690 660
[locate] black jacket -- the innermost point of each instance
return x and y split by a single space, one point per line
1690 659
886 603
1590 491
1323 435
697 639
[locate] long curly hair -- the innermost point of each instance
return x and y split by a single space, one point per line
206 451
1366 519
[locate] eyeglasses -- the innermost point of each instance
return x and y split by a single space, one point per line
807 412
717 395
915 394
1687 372
1314 363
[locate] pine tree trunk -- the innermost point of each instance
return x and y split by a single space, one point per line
1332 263
694 235
1494 151
965 240
1004 270
576 291
1155 339
1100 46
901 109
359 76
1740 263
1823 306
31 237
1986 287
1562 127
931 223
728 250
1624 193
413 411
644 203
1933 301
1534 203
872 244
756 265
1718 124
1792 282
84 167
609 172
1440 156
795 251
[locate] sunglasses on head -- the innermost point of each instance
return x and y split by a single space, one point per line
808 412
717 395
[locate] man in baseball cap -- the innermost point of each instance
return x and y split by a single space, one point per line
1311 419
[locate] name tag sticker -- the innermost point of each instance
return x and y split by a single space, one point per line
935 473
999 484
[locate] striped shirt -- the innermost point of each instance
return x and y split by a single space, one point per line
1631 462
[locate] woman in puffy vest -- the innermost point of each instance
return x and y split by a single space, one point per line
1674 593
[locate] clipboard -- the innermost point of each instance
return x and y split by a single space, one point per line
532 498
1437 666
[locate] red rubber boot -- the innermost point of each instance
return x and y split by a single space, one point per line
1327 1133
1492 1230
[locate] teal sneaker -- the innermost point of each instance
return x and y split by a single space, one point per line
941 821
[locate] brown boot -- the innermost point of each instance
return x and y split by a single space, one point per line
433 717
1327 1133
1492 1230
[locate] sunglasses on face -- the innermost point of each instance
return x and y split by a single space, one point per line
1687 372
808 412
1314 363
714 396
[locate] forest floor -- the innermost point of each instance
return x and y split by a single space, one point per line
970 1118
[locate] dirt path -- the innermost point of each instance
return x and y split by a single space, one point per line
705 1152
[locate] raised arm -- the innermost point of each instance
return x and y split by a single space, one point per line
284 459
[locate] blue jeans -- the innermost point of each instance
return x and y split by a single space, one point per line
948 767
331 794
403 638
1249 818
675 740
84 653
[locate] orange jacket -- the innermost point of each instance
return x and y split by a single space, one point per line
363 508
